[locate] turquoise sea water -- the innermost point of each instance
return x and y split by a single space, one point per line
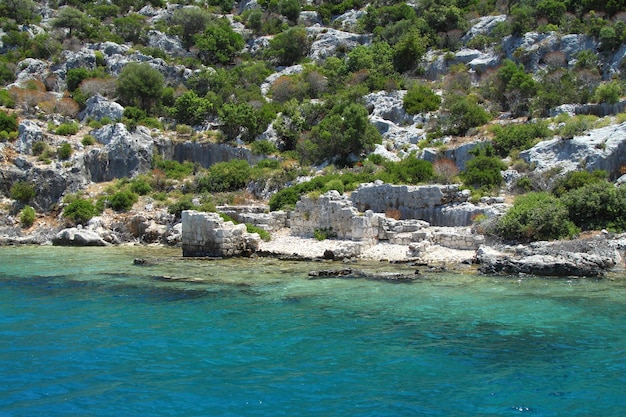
84 332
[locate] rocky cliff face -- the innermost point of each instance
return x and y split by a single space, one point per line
124 154
207 154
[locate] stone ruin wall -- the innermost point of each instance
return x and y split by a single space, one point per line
439 205
206 234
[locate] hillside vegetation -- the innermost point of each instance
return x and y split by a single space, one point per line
298 85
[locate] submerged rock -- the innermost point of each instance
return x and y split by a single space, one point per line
358 274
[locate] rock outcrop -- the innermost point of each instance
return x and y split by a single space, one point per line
208 235
581 258
125 154
328 40
98 107
603 148
29 132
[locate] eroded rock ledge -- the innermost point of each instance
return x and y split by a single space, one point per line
590 257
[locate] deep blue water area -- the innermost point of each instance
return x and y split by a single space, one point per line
85 332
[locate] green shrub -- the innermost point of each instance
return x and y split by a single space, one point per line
464 113
608 93
6 100
323 233
518 136
140 85
174 169
75 76
410 170
39 148
420 99
576 125
134 113
225 176
335 184
122 200
598 205
268 163
483 172
290 46
284 199
535 216
64 152
264 234
140 186
577 179
344 131
80 210
263 147
67 129
22 191
27 216
8 123
184 203
88 140
219 44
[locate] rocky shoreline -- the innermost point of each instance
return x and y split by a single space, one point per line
587 256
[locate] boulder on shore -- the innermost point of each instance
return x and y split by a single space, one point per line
78 237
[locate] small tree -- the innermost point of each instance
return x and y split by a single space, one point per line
22 11
343 132
219 43
290 46
130 27
290 9
192 20
72 19
140 85
408 52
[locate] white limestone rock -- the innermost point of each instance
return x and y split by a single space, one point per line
98 107
482 26
125 154
75 236
28 133
327 40
603 148
170 44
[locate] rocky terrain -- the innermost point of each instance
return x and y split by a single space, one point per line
120 148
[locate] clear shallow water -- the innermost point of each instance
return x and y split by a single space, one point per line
85 332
